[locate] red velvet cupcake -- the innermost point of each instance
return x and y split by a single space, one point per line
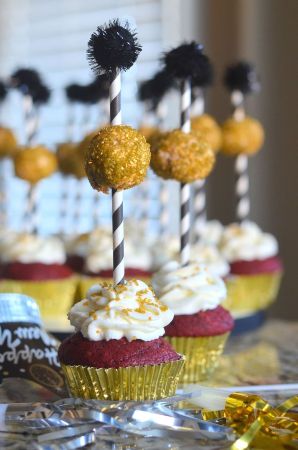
256 269
117 352
35 266
200 326
99 258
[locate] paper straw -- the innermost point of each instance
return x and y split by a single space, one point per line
31 127
117 196
184 187
241 165
199 186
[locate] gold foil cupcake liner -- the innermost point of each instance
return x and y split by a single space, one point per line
126 383
54 297
201 353
247 294
87 282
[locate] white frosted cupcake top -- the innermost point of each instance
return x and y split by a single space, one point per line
210 232
29 248
210 256
188 290
246 241
100 253
77 244
163 250
112 312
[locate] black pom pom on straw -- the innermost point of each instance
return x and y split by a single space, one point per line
112 47
73 92
41 95
185 61
25 80
152 91
3 91
241 77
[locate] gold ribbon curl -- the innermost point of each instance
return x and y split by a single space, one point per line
259 425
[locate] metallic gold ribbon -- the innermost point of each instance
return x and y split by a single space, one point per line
259 425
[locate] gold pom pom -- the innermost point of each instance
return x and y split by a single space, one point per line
8 143
207 128
34 163
118 157
246 136
182 157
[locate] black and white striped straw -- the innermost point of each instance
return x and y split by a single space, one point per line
117 196
185 187
241 165
199 186
31 127
161 114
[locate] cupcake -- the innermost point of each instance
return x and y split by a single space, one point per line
117 352
211 258
35 266
255 268
210 232
99 257
76 247
200 326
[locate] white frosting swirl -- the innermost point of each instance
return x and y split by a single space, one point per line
246 241
211 232
164 250
100 253
210 256
129 310
188 290
29 248
77 244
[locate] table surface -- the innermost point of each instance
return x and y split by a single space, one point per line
260 361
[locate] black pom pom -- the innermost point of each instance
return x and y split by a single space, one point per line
73 92
186 61
41 95
90 93
96 90
25 80
205 75
3 91
112 47
152 91
242 77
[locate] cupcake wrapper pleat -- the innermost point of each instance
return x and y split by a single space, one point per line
201 354
54 297
250 293
126 383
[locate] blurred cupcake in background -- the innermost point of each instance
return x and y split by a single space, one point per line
76 246
35 266
99 256
210 232
201 325
210 256
256 269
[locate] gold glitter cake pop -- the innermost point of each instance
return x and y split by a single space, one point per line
206 128
245 136
182 157
66 154
118 157
34 163
148 131
8 143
